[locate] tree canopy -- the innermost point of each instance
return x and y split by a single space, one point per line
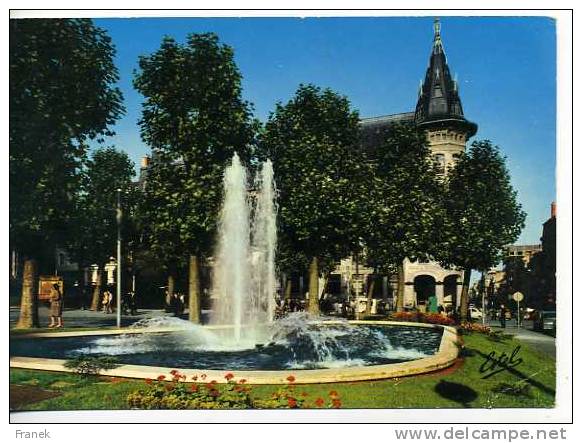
483 215
62 95
194 119
405 201
312 141
95 228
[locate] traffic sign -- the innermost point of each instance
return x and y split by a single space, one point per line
517 296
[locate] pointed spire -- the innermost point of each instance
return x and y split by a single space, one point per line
439 100
437 45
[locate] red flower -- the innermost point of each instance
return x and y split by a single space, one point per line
291 402
336 403
242 381
209 386
148 381
169 388
332 393
291 379
174 372
319 402
229 376
214 393
161 377
194 388
213 382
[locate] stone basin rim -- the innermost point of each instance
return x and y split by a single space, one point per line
445 357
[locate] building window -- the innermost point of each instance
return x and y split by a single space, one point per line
440 163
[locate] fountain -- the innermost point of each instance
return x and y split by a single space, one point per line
244 261
243 334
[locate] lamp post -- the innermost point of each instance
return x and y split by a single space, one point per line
118 218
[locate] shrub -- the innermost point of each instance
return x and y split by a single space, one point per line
474 327
86 365
177 394
420 317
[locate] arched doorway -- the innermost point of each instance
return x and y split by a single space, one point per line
450 290
424 287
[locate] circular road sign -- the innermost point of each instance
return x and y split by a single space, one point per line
517 296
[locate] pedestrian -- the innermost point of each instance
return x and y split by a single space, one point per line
56 307
132 303
502 315
107 301
85 303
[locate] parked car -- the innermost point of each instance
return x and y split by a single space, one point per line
545 321
476 314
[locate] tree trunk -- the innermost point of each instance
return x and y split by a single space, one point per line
465 294
96 293
29 299
287 291
194 311
313 307
400 294
370 295
171 288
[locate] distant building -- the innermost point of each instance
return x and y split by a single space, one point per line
525 252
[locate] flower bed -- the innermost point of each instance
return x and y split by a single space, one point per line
420 317
160 393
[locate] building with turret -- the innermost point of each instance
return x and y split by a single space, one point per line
440 112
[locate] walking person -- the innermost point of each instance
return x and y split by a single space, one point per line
56 307
107 299
132 303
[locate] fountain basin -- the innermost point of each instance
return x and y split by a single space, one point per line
445 355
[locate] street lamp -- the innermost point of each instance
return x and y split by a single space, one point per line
119 218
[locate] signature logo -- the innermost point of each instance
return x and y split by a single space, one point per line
494 364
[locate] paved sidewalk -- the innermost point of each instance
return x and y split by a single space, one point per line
91 319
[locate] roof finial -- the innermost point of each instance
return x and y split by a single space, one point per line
437 29
437 46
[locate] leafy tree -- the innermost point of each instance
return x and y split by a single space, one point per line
61 97
312 141
483 214
194 119
96 225
405 207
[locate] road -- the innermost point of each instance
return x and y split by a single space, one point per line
544 343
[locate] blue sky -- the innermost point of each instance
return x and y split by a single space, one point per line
506 69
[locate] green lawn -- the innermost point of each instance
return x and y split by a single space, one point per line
529 384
